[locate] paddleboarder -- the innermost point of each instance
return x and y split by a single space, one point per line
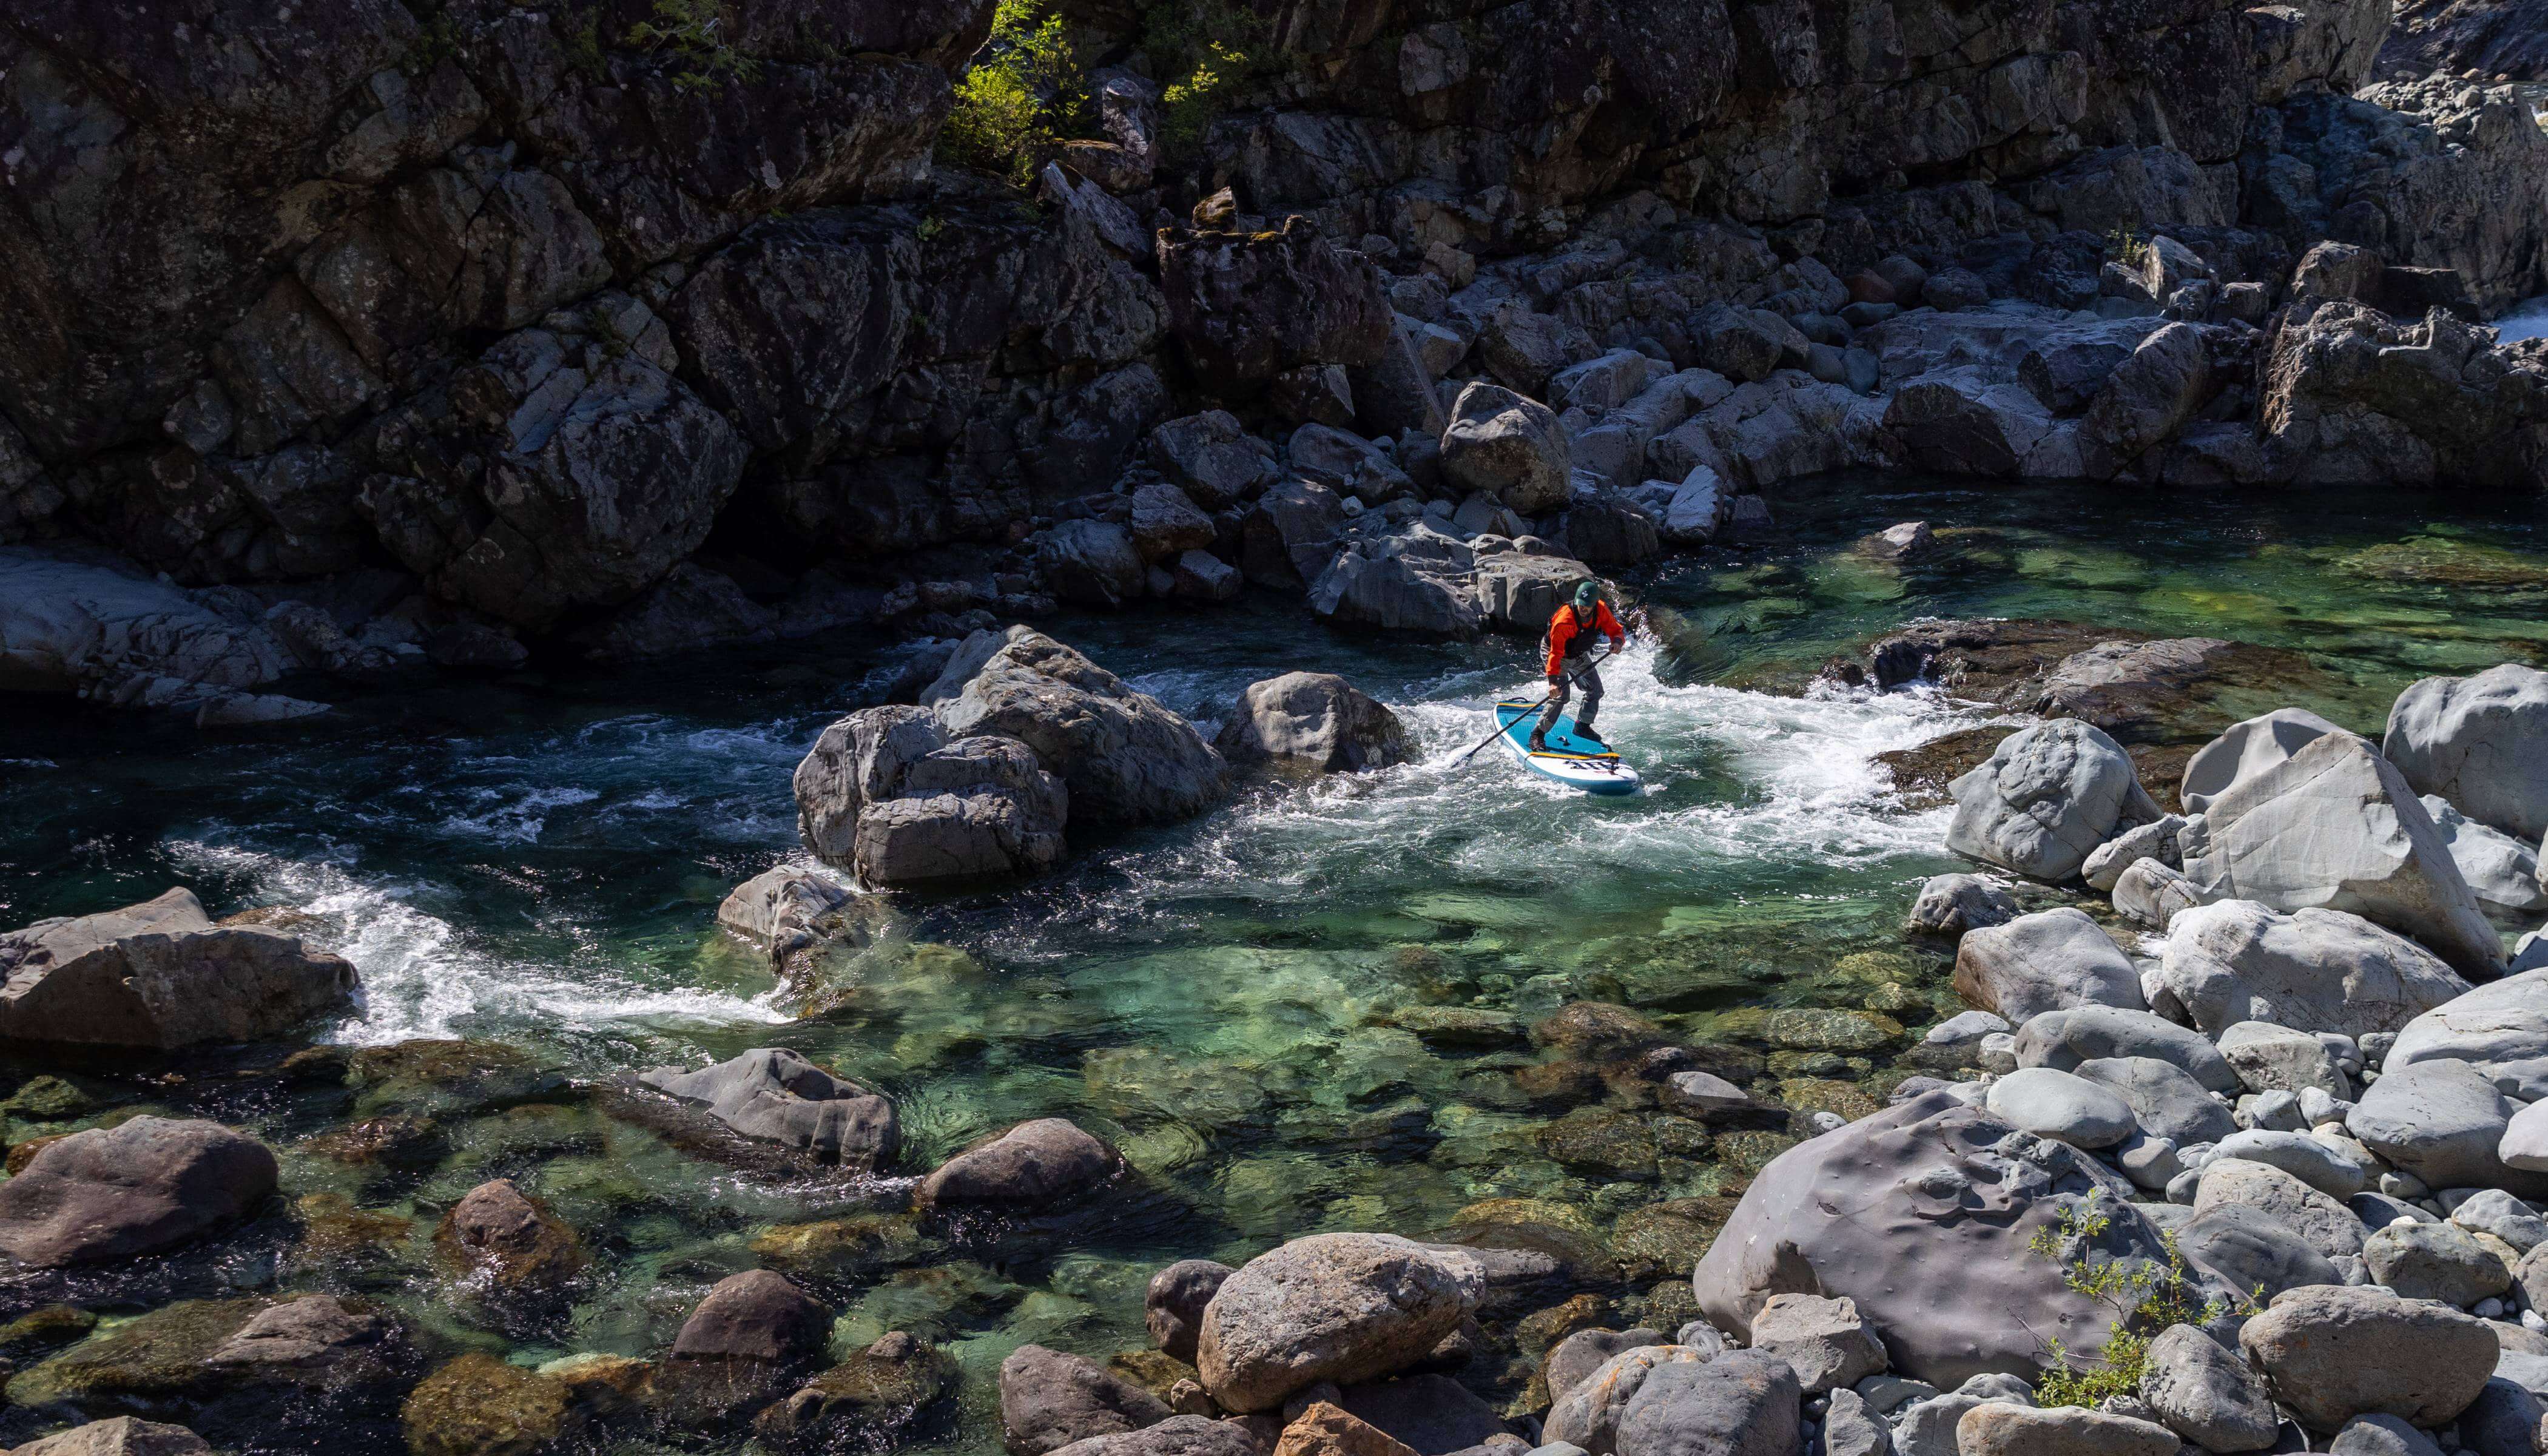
1573 633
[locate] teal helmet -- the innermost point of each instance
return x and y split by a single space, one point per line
1587 595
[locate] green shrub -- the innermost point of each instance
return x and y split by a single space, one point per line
692 34
1023 94
1206 49
2146 1299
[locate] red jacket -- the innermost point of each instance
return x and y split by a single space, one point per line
1563 628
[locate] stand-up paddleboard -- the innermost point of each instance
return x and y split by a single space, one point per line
1574 761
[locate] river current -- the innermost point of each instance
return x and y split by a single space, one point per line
536 861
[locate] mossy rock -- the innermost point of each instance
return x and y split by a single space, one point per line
1813 1028
141 1366
479 1405
1785 1065
1666 1239
1560 1230
1668 1305
1599 1140
1461 1025
1538 1331
854 1247
1822 1094
868 1402
1875 965
361 1246
49 1099
447 1076
398 1141
936 1303
2443 560
1747 1153
47 1328
1155 1371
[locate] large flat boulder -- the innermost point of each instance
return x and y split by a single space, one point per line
2479 742
2047 797
2318 971
161 974
143 1186
2501 1028
2247 749
2444 1122
2335 827
776 1096
1126 759
1923 1215
1335 1307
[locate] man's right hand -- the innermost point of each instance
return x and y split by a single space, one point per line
1556 680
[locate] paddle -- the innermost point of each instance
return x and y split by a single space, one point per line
1502 724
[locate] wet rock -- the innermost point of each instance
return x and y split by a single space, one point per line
2333 1354
1249 306
2064 1038
2325 1223
2206 1393
1824 1340
517 1258
2253 1250
2316 969
2434 1261
143 1186
1994 1429
1950 904
1315 719
2443 1122
1033 1164
478 1403
741 1347
161 974
2334 827
2166 1100
2247 749
875 1396
791 909
2050 961
1508 447
1353 1304
777 1096
1048 1400
1174 1302
2061 1105
2501 1029
2047 797
122 1435
1126 759
1878 1212
2500 870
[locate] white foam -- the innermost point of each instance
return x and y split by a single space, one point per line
2525 320
423 977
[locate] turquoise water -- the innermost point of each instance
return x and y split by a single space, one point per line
536 862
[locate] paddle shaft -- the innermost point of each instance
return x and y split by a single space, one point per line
1501 726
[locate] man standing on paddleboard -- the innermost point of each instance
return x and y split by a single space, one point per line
1572 634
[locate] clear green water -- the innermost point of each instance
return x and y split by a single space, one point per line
537 861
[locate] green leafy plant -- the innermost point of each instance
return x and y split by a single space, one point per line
692 34
2127 245
1023 94
584 47
1210 50
2147 1297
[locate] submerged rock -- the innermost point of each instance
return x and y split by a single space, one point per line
777 1096
1033 1164
1048 1400
515 1259
875 1396
161 974
146 1186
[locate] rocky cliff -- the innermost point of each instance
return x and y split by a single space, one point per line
635 326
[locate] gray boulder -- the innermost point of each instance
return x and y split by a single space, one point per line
1507 446
777 1096
2150 893
2443 1122
2320 971
1212 458
2061 1105
2330 1355
1049 1400
1825 1340
2382 1435
2247 749
2047 797
2066 1038
2303 1156
1178 1436
2500 1214
2501 871
160 974
1315 720
1166 524
2272 1059
2252 1249
143 1186
1922 1213
1126 759
2166 1100
1586 1413
2050 961
1330 1307
1951 904
2504 1421
2479 742
885 794
1032 1167
1091 563
2435 1261
1998 1429
2328 1226
2334 827
1574 1359
131 641
2146 400
2153 841
2501 1029
1173 1304
1851 1428
121 1436
1742 1402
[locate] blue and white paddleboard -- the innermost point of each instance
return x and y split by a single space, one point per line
1574 761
